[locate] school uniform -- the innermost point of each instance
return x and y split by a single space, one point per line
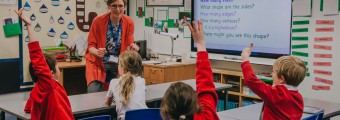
207 96
281 102
137 98
48 99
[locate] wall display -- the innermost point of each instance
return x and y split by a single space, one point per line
27 6
37 28
33 17
43 9
51 33
83 25
164 2
64 35
55 2
67 10
51 19
70 26
61 20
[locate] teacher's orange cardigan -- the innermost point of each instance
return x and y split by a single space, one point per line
97 38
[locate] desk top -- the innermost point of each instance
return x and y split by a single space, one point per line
155 92
330 108
72 64
252 112
83 103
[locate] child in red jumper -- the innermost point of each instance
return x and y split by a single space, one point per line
180 101
48 99
282 101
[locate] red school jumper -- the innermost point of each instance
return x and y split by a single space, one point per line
48 99
207 96
279 102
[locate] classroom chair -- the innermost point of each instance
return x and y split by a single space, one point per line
99 117
316 116
143 114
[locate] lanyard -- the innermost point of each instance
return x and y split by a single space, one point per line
113 32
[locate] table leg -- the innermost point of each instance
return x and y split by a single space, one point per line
226 100
2 115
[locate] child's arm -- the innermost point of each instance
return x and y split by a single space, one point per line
108 101
204 81
39 64
263 90
28 22
109 95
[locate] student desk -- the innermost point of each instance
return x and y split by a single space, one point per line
72 77
331 109
252 112
90 103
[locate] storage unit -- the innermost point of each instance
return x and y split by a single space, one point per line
239 92
168 72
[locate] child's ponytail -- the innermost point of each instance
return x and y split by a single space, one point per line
131 62
128 86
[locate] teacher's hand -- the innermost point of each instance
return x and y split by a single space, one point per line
133 47
101 52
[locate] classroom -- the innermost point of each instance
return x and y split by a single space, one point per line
169 59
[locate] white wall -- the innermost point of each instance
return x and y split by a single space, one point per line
306 86
9 47
159 44
162 44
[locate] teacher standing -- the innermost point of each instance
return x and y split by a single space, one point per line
110 35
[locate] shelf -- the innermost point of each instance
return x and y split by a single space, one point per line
236 79
251 96
234 93
243 95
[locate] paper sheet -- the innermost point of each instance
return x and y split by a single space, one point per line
325 22
323 39
161 15
302 8
330 7
323 72
149 12
329 29
187 32
323 47
320 87
187 5
173 13
317 79
8 2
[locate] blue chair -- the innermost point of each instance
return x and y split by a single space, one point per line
316 116
143 114
100 117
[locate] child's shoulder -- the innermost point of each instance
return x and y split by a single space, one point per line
139 79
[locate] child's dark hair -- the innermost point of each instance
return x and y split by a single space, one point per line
111 1
51 62
180 102
131 61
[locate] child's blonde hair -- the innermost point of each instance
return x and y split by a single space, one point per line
131 61
291 68
180 102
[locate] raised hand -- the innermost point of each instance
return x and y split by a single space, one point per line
26 20
246 52
198 35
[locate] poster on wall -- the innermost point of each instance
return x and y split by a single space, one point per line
8 2
164 2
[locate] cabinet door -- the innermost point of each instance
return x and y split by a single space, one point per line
156 75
